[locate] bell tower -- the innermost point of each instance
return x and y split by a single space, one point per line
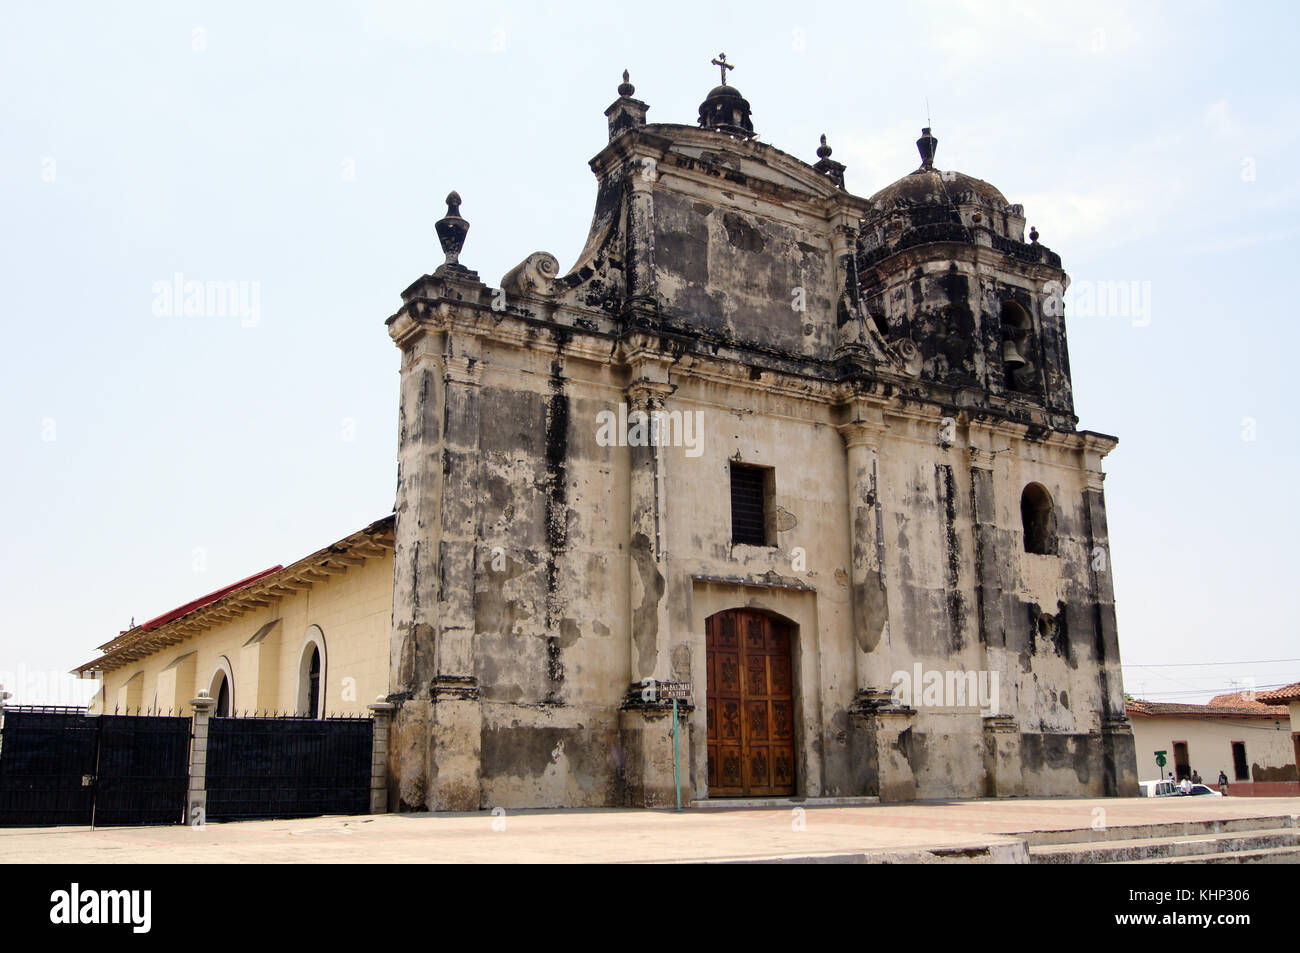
943 262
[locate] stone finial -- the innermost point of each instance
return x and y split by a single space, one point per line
1033 235
452 229
625 112
927 145
827 166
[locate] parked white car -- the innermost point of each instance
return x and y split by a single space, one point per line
1159 789
1170 789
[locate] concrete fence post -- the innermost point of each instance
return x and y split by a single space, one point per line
383 713
196 812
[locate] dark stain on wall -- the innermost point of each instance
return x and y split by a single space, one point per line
952 544
554 670
1286 772
741 234
557 444
1063 752
526 752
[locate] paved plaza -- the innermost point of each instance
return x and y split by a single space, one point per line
890 832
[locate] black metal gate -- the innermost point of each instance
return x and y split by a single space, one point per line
66 767
144 770
288 767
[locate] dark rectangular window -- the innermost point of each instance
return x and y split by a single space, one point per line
1239 766
749 509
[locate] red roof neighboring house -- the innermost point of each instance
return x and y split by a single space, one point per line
205 600
1176 709
1280 696
1241 700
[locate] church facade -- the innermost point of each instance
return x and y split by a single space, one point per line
805 460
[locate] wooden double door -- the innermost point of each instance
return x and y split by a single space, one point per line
750 698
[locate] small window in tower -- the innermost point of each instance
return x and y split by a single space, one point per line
751 496
1038 518
1240 767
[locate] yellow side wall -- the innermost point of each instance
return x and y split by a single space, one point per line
352 610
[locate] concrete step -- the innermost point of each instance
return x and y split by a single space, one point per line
1266 855
1168 829
1164 848
781 803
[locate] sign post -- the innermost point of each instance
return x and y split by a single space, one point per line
1160 763
677 757
675 691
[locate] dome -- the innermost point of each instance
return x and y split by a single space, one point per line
932 205
725 92
725 110
930 186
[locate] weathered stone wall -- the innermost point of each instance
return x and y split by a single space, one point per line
744 276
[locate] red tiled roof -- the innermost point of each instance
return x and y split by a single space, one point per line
205 600
258 589
1286 693
1241 700
1169 709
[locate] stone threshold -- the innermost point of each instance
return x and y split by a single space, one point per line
777 803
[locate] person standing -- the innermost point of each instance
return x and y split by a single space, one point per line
1223 783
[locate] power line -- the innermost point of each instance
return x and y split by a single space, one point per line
1218 691
1269 661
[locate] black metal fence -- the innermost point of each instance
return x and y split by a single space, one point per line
288 767
63 766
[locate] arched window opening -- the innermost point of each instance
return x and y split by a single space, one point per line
222 708
1017 369
311 675
1038 517
313 682
222 690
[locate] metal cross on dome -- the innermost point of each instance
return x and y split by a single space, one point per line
723 66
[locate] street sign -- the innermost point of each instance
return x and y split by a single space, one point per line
1160 758
671 690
